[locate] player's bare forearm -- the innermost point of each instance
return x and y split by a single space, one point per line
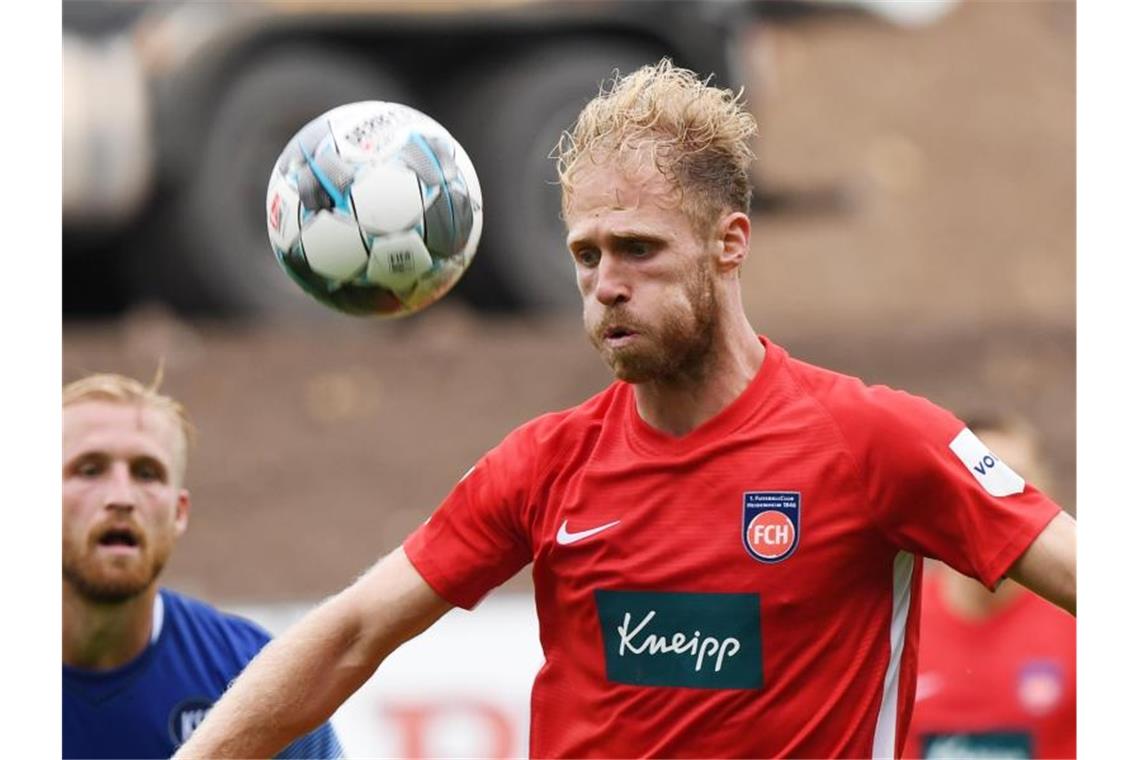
1049 566
299 680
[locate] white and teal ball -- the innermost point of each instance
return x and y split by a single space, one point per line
374 209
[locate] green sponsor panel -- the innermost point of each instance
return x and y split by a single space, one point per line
662 638
989 745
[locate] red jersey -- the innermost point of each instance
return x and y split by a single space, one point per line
742 590
1004 686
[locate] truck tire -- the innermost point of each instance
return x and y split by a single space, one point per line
509 118
215 254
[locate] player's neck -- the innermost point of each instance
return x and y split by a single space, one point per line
970 600
679 407
99 636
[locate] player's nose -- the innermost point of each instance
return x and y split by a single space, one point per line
612 284
119 489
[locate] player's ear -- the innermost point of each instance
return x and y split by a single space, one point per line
732 236
182 512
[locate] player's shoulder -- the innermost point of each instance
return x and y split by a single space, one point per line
868 411
847 395
203 625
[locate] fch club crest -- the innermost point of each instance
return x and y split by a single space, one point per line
771 524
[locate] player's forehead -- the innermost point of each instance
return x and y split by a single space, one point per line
622 194
118 428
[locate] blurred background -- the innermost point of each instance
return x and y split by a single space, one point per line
914 224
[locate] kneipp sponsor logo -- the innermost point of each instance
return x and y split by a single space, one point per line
661 638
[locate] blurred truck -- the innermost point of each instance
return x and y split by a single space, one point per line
174 113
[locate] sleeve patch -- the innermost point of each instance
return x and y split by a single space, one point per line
996 476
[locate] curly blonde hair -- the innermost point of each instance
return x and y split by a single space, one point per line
120 389
697 135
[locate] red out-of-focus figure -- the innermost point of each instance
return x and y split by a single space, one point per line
997 670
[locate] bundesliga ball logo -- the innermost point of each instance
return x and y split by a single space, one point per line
374 209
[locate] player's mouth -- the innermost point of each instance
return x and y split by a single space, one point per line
618 336
119 541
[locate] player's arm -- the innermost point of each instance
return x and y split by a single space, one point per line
299 679
1049 566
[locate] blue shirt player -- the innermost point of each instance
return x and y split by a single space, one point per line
149 706
141 666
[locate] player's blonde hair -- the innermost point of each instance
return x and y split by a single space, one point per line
120 389
697 135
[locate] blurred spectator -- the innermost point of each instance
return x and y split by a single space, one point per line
997 671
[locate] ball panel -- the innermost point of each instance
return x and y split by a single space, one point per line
474 196
370 130
282 212
470 178
294 264
359 300
365 300
424 158
333 247
448 220
387 199
435 284
397 261
473 237
334 173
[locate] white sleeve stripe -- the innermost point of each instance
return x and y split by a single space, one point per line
886 726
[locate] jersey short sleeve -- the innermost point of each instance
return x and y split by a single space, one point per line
477 538
935 489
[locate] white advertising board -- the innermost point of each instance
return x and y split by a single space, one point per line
460 689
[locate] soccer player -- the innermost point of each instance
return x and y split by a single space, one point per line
726 541
997 672
141 665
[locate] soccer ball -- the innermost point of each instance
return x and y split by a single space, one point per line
374 209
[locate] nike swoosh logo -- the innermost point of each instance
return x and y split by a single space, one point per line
566 538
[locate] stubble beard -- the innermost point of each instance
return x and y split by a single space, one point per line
674 352
112 582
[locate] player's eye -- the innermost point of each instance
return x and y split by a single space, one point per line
148 471
588 257
88 468
637 248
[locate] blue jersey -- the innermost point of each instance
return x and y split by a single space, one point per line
149 707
